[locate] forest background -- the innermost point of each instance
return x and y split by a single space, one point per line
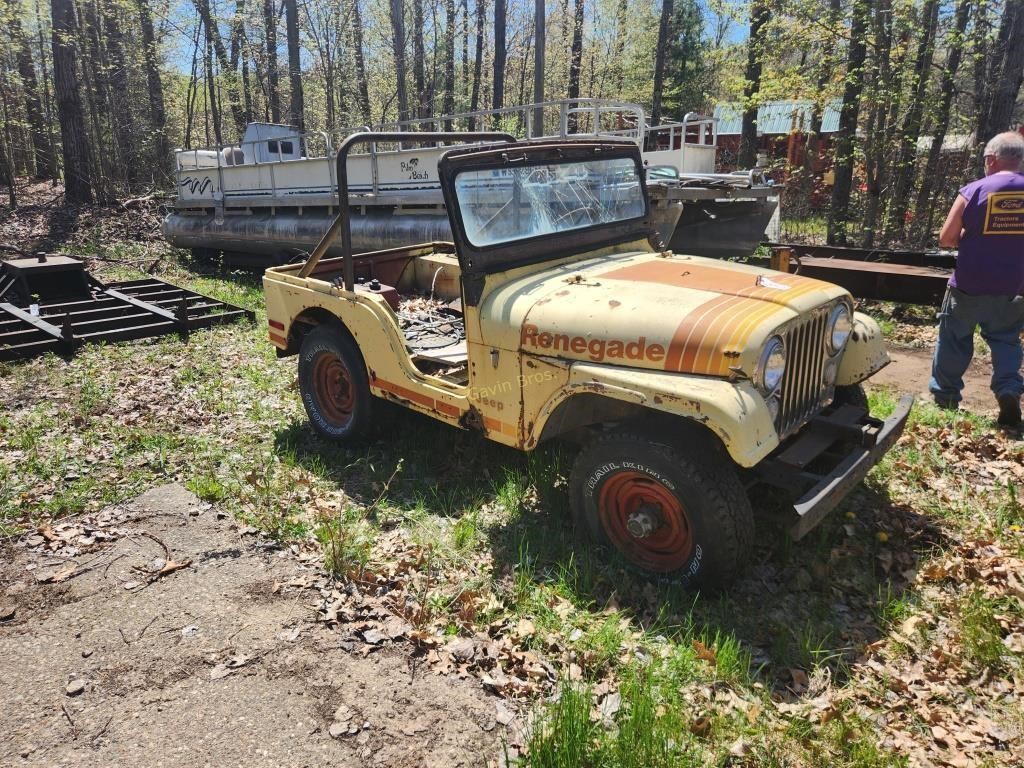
97 93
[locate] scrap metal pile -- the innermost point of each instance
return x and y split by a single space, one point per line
51 303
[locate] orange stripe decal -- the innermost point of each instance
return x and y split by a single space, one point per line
698 336
418 397
277 340
676 348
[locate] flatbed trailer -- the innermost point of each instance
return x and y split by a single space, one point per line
52 304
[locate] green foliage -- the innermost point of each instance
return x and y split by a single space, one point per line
686 75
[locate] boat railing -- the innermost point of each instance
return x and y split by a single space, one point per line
689 145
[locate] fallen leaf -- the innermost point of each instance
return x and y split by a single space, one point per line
701 727
63 573
704 653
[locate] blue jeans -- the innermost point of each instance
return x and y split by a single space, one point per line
1001 319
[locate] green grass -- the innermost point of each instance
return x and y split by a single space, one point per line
980 631
645 734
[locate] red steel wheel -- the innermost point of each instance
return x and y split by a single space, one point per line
332 384
646 521
674 509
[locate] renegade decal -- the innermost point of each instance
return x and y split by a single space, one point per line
596 349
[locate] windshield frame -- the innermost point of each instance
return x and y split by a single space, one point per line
477 261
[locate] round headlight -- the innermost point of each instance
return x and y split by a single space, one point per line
771 366
840 325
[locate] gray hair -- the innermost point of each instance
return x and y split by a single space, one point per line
1008 149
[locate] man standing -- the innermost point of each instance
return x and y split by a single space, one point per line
987 287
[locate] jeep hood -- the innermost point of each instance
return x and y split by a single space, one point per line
660 312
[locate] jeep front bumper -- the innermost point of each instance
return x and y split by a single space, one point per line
829 457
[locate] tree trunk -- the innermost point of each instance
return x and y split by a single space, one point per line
619 54
213 108
43 159
760 14
466 83
886 94
478 61
419 81
273 78
664 32
923 209
906 162
362 88
839 212
8 175
157 111
213 36
524 64
812 150
95 86
51 139
448 99
984 64
540 35
398 28
74 141
575 59
192 92
500 54
121 114
296 103
1008 72
239 59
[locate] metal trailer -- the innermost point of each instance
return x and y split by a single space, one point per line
51 304
271 197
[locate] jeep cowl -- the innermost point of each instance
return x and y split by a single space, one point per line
556 313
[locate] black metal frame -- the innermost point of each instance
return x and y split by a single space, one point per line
848 441
342 221
130 309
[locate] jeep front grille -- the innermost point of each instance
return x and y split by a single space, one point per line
802 384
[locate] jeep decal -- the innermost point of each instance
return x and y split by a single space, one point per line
595 349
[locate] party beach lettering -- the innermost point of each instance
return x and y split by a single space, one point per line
1005 214
596 349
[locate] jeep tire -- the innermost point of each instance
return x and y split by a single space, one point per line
333 384
676 514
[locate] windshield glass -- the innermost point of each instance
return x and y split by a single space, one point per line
499 205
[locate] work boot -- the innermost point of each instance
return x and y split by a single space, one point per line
1009 411
946 403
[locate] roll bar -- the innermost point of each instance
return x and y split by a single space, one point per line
342 221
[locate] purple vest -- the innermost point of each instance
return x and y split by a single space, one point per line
991 258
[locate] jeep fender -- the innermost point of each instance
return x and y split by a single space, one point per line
734 411
865 352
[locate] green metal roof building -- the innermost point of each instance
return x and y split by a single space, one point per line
778 118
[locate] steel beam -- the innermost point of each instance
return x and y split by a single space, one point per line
873 280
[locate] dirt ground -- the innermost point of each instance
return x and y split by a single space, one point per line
910 370
222 662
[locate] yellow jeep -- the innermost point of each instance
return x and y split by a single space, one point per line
557 313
